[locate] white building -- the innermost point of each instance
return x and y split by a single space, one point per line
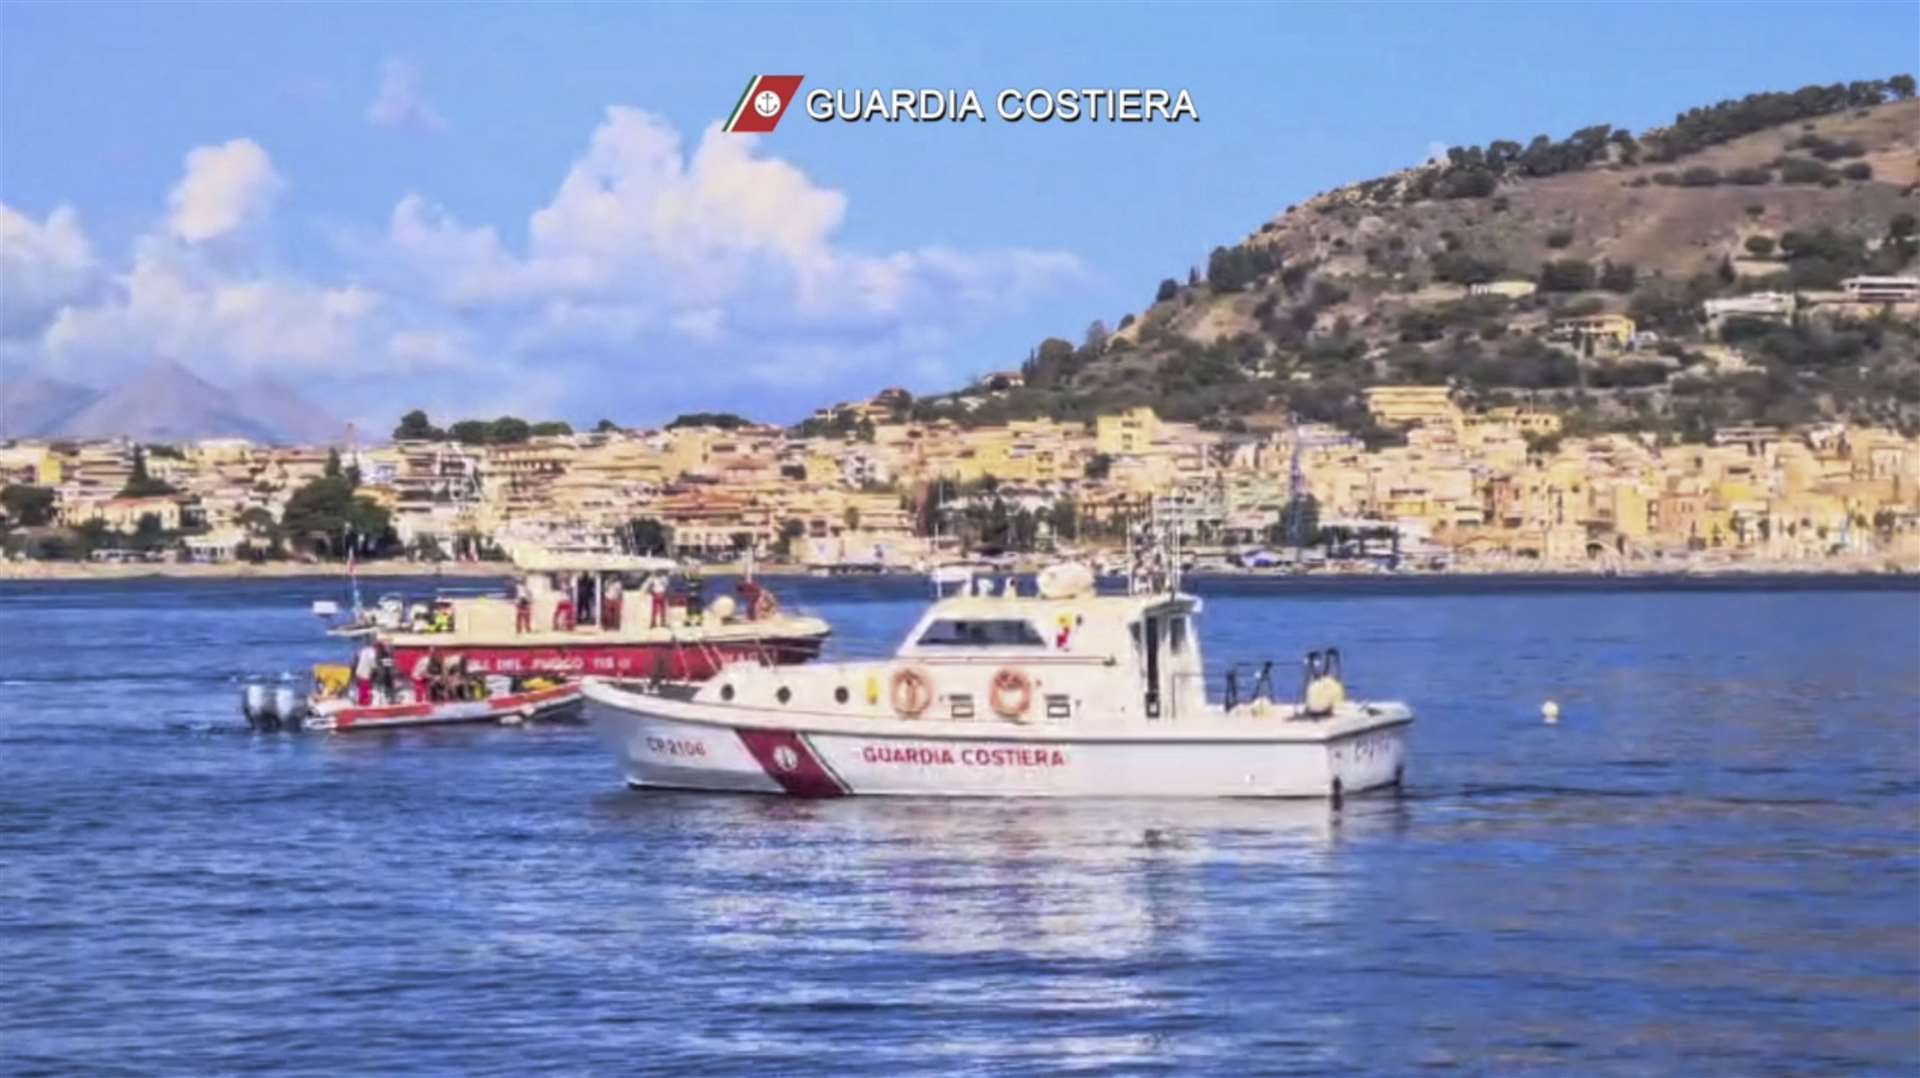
1882 289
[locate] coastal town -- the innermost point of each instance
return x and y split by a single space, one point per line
863 486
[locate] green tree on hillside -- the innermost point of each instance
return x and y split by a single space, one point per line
648 536
26 506
722 420
322 516
415 427
1566 275
142 485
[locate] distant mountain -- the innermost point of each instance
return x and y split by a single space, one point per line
167 403
274 404
31 406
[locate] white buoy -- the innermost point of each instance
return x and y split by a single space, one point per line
1550 711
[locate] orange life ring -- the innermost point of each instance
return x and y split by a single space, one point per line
1011 693
911 692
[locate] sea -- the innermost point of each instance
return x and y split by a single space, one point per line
1709 865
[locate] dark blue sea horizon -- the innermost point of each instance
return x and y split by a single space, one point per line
1711 865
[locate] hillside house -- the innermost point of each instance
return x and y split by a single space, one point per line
1768 306
1882 289
1508 289
1406 406
1610 330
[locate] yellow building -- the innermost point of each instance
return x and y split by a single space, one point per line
1632 512
1403 406
1126 433
30 465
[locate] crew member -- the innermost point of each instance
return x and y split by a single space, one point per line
610 603
522 610
364 667
657 591
754 598
383 670
426 676
695 602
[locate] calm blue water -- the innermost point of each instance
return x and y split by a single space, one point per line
1712 866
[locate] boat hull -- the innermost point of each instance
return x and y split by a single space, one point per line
666 660
657 749
551 703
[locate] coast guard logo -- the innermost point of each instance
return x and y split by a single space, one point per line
763 103
785 758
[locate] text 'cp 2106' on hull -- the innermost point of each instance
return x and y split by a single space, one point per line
1060 694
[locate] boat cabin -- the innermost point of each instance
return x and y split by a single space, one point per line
993 626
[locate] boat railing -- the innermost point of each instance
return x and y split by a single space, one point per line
1246 682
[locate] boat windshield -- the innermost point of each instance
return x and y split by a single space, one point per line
975 633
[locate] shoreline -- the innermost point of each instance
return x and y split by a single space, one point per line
88 571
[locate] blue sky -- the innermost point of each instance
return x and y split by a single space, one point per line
386 256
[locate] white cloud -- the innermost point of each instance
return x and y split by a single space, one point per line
402 101
227 187
655 277
42 268
642 234
173 302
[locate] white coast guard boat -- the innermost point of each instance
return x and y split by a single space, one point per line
1060 693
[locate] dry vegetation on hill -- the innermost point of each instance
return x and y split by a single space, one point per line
1368 284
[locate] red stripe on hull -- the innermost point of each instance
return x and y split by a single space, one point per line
788 760
674 663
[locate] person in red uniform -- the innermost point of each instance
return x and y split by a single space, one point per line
657 591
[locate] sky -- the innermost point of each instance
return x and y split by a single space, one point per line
530 210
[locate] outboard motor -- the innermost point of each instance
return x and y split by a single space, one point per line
288 705
256 703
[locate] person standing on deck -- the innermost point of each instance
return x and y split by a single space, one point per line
383 671
522 609
615 591
657 591
364 667
695 601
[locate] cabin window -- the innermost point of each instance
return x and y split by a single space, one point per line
1176 635
980 633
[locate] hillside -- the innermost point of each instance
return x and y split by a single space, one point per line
1368 284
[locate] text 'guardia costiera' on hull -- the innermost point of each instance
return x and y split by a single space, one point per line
1011 105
